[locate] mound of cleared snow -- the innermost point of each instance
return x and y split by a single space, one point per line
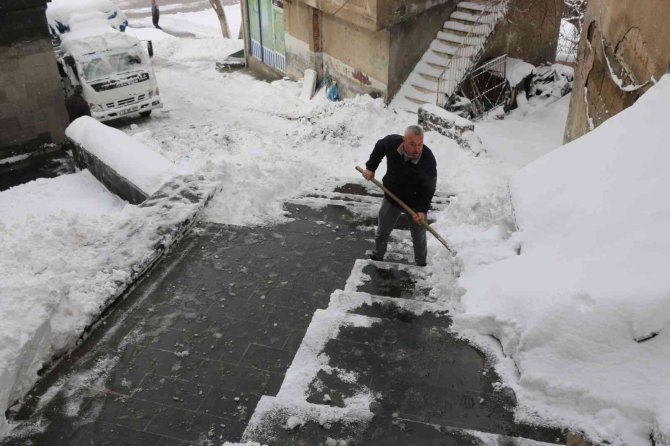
50 236
584 310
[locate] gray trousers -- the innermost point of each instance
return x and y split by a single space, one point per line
388 216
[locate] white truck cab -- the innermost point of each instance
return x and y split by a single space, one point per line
112 67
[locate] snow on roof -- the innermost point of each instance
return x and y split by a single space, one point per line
91 32
62 10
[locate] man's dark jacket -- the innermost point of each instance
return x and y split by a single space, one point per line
77 106
412 183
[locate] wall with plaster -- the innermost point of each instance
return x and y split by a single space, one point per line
623 48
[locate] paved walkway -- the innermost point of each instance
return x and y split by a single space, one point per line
203 350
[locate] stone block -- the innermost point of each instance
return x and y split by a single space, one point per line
432 117
113 180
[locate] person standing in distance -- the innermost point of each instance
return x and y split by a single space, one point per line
155 13
411 174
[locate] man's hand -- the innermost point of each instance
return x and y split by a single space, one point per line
368 174
419 218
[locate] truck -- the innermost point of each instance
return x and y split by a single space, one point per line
112 67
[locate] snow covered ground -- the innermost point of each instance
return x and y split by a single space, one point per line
51 234
566 311
583 310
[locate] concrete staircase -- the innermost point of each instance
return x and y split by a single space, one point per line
380 366
461 37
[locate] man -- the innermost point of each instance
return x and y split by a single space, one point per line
76 105
411 174
155 13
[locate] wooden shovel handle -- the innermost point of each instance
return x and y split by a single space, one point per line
408 210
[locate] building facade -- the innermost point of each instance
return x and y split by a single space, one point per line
32 108
372 46
367 46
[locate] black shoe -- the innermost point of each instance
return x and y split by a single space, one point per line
375 258
420 264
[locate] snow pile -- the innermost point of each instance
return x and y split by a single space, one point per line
60 13
200 24
517 70
91 33
129 158
68 248
50 236
584 310
533 129
207 46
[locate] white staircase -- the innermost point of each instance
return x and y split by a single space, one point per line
461 37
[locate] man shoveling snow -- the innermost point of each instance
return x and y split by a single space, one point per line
411 175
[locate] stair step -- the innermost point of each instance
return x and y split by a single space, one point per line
429 74
419 97
418 101
481 29
435 66
440 47
422 83
473 18
435 58
459 39
474 6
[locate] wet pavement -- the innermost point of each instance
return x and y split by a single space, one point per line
190 350
188 354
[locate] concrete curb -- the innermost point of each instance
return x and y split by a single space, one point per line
112 179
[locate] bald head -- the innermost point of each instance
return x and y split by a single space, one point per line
415 130
413 141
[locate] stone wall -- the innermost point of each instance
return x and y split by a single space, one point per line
32 108
529 31
633 40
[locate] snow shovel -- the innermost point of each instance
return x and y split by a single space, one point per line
408 210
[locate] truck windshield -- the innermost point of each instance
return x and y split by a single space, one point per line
105 64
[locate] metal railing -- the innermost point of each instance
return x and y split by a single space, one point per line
466 56
487 86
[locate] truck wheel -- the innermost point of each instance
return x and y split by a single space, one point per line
145 114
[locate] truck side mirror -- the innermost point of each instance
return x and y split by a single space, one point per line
150 47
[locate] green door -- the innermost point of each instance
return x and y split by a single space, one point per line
266 29
279 30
